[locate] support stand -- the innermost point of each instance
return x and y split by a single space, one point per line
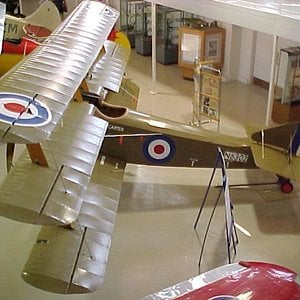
231 234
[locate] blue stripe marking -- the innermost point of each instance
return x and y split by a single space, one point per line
296 141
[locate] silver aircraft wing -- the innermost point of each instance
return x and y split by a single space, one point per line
36 92
108 71
74 192
2 19
77 255
53 195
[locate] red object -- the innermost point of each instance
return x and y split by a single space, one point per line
258 281
36 31
15 107
287 187
121 140
24 47
112 35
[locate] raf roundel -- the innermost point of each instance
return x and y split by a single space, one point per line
159 149
21 110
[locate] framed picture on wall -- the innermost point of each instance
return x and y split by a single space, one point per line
213 47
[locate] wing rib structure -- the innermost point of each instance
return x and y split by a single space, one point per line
77 215
48 78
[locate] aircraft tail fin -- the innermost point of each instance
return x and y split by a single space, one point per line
47 15
277 149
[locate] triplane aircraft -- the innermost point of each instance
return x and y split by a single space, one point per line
54 102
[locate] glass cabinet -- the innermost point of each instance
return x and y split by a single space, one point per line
143 36
286 107
168 23
128 19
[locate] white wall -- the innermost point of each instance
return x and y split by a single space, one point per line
263 55
232 52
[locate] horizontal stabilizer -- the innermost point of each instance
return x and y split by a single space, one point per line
35 93
72 261
279 137
71 153
272 149
109 70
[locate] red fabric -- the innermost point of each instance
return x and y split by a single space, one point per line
37 31
12 48
259 281
112 35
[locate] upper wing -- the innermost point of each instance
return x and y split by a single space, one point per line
2 19
36 92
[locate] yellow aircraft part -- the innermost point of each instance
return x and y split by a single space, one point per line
128 95
7 61
122 39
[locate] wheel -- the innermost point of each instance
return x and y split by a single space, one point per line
286 187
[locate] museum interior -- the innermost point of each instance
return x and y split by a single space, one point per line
250 50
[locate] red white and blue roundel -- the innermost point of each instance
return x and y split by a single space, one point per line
22 110
159 149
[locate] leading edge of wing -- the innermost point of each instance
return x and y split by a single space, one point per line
41 86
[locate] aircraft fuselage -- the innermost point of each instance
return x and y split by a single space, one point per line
142 139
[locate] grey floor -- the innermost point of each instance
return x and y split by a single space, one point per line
154 244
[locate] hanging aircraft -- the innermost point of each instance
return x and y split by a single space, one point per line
23 34
54 102
37 25
243 280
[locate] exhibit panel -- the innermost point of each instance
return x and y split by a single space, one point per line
206 43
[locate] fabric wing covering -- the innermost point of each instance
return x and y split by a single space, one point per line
77 215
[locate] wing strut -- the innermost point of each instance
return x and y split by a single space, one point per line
37 155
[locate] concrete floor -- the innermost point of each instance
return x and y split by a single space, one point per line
154 244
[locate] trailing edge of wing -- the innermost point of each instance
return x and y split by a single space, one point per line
69 261
2 19
46 80
109 70
71 153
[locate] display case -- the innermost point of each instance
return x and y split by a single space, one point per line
128 19
168 23
205 43
143 36
286 105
